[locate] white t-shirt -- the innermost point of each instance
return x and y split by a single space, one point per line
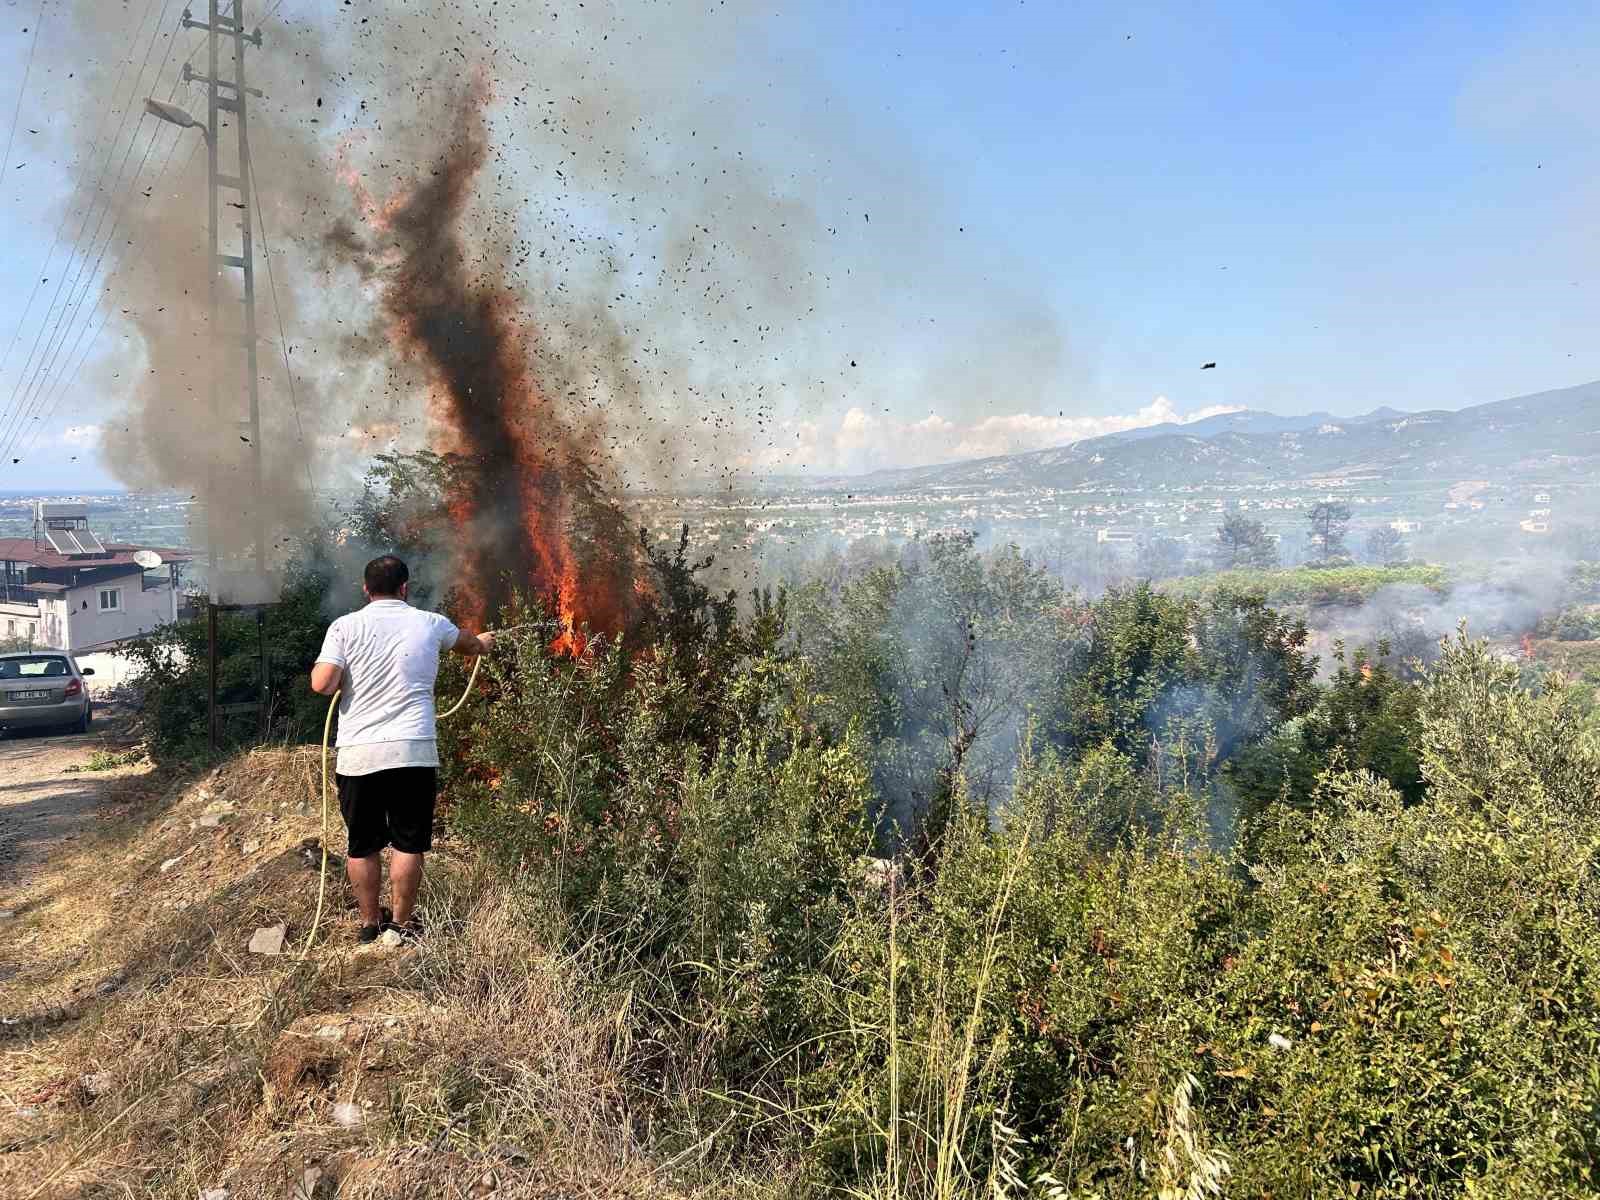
389 653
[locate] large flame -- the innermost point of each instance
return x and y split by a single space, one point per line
530 513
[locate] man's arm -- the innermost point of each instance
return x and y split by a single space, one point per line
326 678
327 673
473 644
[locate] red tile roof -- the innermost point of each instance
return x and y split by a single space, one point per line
118 554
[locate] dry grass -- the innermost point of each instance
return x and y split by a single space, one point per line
479 1063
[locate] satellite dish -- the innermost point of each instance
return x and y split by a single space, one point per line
148 559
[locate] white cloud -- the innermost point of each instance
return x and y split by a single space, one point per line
862 441
73 437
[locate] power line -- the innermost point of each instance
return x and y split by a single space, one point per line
41 277
69 379
44 403
89 208
283 340
22 91
24 385
41 380
33 396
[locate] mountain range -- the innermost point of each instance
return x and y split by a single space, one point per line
1548 436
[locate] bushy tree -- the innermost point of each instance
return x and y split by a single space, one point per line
403 509
940 656
1160 557
171 671
1577 625
1328 520
1218 672
1241 542
1385 545
1365 719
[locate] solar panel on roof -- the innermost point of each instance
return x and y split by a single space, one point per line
74 543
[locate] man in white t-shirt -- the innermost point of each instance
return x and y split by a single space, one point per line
384 660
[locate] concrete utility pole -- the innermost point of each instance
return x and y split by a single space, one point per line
231 96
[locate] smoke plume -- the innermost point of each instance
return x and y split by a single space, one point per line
657 235
528 478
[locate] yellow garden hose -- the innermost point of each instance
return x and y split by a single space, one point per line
327 726
456 707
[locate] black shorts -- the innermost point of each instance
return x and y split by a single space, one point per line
389 808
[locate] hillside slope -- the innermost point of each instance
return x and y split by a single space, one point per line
151 1054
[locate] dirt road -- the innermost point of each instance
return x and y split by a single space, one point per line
47 798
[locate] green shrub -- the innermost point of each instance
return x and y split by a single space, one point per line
1388 999
941 657
713 872
1577 625
1155 670
1313 585
1365 719
171 673
1390 988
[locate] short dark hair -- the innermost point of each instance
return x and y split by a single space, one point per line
386 575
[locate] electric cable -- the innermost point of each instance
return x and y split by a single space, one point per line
33 407
283 338
30 407
12 402
66 214
22 91
67 380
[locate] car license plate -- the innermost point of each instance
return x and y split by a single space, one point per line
40 695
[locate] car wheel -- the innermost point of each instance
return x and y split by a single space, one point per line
86 720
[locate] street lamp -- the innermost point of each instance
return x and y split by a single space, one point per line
173 115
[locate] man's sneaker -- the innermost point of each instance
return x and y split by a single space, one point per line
370 933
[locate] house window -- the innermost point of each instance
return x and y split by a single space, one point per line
110 599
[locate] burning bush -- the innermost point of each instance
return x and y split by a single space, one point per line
531 506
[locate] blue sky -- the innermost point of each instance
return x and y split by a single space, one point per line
1343 205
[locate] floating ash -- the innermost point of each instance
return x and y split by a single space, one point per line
530 506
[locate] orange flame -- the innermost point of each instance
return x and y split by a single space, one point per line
520 484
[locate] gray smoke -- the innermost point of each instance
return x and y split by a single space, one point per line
707 247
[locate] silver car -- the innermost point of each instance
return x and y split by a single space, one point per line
42 689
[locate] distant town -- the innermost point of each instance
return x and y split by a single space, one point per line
1445 521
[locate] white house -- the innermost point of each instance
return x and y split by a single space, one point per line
1115 537
66 589
1402 525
